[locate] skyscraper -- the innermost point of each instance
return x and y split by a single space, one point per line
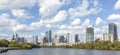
35 39
89 34
106 37
43 40
62 39
112 32
56 40
67 37
48 36
76 38
15 37
70 38
22 39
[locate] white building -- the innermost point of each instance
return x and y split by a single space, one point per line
70 38
56 41
35 40
106 37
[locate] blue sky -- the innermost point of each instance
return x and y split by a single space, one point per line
35 17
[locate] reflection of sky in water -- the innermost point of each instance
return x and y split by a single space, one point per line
60 51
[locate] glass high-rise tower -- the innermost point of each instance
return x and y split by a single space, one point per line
90 34
112 29
48 36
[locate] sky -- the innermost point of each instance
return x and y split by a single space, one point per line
35 17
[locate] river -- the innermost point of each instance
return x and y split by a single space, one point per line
60 51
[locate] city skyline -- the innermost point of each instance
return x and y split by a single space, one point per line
35 17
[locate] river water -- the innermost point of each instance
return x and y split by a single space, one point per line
60 51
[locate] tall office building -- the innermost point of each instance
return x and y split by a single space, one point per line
62 39
48 36
15 37
22 39
112 29
35 39
56 40
67 37
76 38
106 37
43 40
89 34
70 38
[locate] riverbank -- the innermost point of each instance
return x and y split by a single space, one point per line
16 44
3 50
6 45
101 45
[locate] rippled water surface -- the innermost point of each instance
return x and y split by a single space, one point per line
60 51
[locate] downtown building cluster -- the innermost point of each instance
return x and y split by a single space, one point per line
70 38
67 39
112 33
110 36
16 37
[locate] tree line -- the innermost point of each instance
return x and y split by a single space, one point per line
100 45
16 44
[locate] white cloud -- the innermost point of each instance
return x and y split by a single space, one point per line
75 28
114 17
100 31
23 28
86 23
62 26
6 23
95 2
37 24
83 25
84 9
117 5
98 21
21 14
48 25
61 16
76 21
12 4
5 36
12 25
59 32
48 7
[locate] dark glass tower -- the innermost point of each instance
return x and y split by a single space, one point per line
76 38
48 36
112 31
62 39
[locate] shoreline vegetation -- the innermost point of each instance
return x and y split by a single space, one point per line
16 45
101 45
